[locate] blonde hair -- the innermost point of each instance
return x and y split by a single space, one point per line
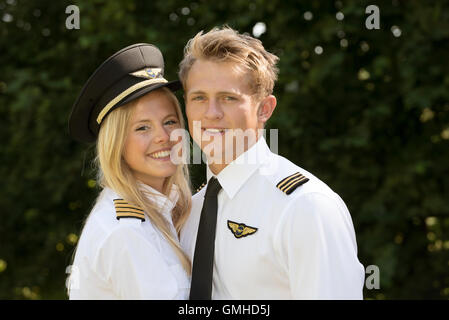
113 172
225 45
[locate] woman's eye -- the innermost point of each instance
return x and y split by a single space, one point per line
171 122
142 128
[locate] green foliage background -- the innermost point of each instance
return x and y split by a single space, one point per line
369 116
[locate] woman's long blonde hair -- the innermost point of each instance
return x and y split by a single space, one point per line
113 172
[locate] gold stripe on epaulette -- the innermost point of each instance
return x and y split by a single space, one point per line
128 207
287 179
290 183
201 187
127 214
125 210
119 209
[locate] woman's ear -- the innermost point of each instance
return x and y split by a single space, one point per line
266 108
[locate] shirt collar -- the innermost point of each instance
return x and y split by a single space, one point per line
163 203
236 173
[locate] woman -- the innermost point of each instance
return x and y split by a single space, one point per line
129 247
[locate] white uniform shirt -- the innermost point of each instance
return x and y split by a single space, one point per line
127 258
304 246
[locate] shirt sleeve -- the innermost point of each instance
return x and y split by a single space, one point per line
316 242
133 266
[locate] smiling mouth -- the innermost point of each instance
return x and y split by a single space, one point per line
214 131
163 154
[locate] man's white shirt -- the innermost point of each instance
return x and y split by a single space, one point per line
304 246
127 258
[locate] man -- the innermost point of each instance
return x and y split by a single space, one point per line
263 228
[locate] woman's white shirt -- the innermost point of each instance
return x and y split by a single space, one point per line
127 258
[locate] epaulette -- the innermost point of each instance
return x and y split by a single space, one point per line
125 210
201 187
290 183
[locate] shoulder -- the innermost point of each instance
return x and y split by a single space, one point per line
289 181
199 193
110 209
111 216
200 187
306 200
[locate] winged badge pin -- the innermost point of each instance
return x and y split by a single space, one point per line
240 230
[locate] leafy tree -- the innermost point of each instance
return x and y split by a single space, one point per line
367 111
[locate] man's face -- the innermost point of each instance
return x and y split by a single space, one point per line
220 107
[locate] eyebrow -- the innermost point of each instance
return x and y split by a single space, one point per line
196 92
220 92
148 120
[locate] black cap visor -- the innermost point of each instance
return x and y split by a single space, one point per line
172 85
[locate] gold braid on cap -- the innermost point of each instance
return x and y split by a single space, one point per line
154 75
128 91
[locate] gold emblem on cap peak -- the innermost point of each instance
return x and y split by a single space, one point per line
148 73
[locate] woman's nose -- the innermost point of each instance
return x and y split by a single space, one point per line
162 135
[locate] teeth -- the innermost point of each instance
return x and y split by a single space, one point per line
161 154
214 130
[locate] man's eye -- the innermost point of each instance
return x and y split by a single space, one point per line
198 98
229 98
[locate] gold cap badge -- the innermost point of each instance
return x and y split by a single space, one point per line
148 73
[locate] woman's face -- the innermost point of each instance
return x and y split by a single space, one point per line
148 145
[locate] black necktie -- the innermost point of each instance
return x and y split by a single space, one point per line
203 260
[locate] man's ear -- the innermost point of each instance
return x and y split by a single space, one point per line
266 108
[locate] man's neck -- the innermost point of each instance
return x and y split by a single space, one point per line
217 166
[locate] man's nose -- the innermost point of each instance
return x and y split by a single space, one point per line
214 110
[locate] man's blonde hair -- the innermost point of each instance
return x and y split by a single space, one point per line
113 172
227 45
